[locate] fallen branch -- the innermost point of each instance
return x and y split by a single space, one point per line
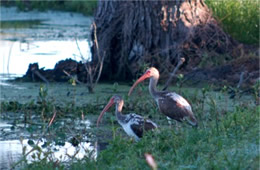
40 76
72 77
100 58
241 79
52 119
181 61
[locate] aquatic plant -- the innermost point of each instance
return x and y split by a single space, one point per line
227 136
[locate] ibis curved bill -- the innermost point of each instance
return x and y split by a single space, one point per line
170 104
134 125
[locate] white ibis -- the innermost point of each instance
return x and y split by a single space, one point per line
134 125
170 104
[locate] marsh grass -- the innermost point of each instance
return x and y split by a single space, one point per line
239 18
232 145
85 7
235 147
227 136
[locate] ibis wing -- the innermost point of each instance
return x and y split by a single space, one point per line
142 126
176 107
173 108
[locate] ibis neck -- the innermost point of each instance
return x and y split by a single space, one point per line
152 86
120 117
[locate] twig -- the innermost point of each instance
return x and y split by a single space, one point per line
37 143
24 157
40 76
52 119
34 148
70 76
181 61
9 56
93 69
241 79
100 58
81 56
236 91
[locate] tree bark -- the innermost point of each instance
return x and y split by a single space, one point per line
135 34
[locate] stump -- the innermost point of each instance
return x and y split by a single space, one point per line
136 34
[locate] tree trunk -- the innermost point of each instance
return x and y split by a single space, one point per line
135 34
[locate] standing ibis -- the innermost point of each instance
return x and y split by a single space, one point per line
170 104
134 125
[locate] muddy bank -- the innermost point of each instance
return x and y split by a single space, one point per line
245 68
227 74
63 71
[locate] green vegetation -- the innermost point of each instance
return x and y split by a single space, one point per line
86 7
231 143
240 18
19 24
227 136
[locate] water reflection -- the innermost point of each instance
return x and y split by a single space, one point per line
42 37
12 151
17 56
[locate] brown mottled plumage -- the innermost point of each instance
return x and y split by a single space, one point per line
170 104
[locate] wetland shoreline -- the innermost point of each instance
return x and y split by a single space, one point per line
228 127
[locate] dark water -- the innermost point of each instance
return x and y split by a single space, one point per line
42 37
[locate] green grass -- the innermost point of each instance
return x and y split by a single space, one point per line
239 18
227 136
19 24
85 7
233 144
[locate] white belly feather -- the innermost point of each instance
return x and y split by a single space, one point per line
127 128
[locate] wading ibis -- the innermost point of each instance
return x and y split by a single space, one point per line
134 125
170 104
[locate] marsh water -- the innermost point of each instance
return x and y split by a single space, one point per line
20 129
18 132
45 38
41 37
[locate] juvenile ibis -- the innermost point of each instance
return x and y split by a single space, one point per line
134 125
170 104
